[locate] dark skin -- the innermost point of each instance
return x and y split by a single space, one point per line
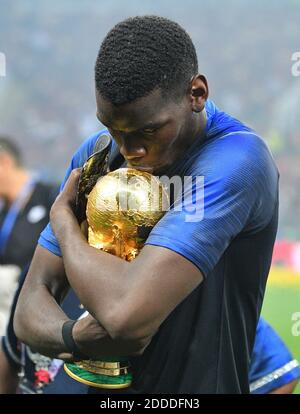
154 133
127 302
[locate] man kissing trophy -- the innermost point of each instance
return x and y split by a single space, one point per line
119 208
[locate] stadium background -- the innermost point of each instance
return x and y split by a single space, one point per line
244 48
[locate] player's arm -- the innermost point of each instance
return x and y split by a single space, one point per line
136 297
39 318
132 299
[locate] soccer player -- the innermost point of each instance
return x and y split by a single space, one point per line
185 310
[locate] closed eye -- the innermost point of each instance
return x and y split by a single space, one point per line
149 131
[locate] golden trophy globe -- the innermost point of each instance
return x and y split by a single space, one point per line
122 208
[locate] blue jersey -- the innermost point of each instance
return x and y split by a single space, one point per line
231 242
236 166
272 364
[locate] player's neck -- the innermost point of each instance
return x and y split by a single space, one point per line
201 127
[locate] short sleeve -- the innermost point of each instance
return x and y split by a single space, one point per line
47 238
234 188
272 364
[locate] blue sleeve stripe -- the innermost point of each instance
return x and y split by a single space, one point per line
277 378
48 245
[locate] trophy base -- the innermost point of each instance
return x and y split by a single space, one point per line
97 380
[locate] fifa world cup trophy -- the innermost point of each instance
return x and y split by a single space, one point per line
121 207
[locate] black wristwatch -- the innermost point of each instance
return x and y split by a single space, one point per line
68 339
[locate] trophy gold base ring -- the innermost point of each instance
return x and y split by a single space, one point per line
100 374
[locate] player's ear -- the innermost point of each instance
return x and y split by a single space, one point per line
198 92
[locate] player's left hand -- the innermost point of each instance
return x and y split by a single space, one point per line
65 201
68 194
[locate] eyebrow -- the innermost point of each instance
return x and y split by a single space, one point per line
149 125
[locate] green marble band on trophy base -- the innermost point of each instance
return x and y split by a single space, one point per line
96 379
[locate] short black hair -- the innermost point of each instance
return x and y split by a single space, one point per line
141 54
7 145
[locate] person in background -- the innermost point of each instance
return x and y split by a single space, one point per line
273 369
25 371
25 203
